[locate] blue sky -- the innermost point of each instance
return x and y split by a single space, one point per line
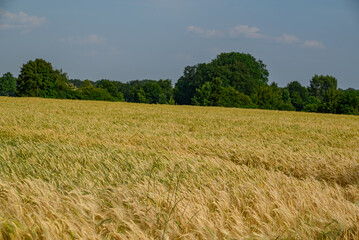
137 39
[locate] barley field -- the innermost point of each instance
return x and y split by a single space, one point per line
102 170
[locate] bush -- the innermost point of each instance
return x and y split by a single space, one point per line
230 97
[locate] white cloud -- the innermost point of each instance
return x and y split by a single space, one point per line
288 39
249 32
254 33
92 39
21 21
95 39
196 30
313 44
204 32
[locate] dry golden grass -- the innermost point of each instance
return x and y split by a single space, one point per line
100 170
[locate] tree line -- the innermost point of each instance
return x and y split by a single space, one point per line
230 80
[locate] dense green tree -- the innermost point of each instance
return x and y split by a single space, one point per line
230 97
285 106
166 87
330 102
312 104
127 90
140 95
285 95
162 98
111 87
320 84
239 70
231 80
349 102
286 101
214 94
76 82
209 93
60 87
7 85
268 96
86 89
152 91
38 79
298 95
187 84
35 79
89 92
203 96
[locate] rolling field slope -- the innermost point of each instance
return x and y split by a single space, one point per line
102 170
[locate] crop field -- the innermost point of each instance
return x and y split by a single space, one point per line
101 170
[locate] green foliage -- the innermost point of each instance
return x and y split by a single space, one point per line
230 97
166 87
162 99
147 93
241 71
36 79
39 79
285 95
7 85
312 105
214 94
286 106
286 103
330 102
238 70
76 82
112 87
349 102
298 95
140 95
60 87
268 97
171 101
230 80
203 95
209 93
144 91
87 91
320 84
109 85
127 90
151 91
186 85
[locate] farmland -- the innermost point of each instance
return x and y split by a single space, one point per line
108 170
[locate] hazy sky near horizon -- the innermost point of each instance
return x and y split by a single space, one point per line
151 39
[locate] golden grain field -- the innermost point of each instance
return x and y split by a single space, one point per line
101 170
